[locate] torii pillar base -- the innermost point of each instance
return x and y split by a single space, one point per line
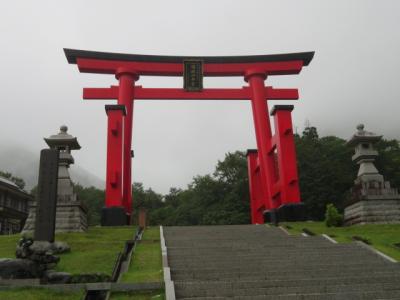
113 216
293 212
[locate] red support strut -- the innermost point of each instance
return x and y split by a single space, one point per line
263 133
257 195
286 154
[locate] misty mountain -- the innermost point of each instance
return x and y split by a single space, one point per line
25 164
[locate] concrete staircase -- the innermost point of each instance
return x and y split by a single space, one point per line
260 262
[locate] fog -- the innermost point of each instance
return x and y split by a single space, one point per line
352 78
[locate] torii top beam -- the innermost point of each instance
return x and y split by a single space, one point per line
112 63
156 65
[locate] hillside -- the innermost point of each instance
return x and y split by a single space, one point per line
25 164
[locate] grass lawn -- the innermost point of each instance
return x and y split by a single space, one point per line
381 236
91 252
8 243
153 295
146 264
95 250
39 294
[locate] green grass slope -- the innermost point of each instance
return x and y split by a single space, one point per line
146 264
93 251
382 237
39 294
8 243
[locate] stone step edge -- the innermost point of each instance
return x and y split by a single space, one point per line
169 286
344 295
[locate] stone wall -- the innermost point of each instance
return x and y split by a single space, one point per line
377 211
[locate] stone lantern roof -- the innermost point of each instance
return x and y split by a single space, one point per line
363 136
63 139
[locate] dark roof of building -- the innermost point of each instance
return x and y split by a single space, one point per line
10 186
9 182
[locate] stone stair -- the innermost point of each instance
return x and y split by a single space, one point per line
260 262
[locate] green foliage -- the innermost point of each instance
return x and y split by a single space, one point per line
325 171
388 161
326 174
332 216
17 180
93 198
221 198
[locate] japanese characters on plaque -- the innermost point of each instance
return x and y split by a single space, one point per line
193 75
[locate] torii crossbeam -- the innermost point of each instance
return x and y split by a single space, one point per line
272 168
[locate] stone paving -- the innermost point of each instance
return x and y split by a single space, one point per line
260 262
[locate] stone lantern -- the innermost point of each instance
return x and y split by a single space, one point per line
64 143
71 214
365 155
372 199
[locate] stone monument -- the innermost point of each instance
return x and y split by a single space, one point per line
46 200
372 198
71 213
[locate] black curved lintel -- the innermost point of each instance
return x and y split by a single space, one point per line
73 54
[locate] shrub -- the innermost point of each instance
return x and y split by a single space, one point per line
361 239
332 217
308 232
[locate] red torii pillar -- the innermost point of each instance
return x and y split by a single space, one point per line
286 155
127 80
118 204
114 211
284 193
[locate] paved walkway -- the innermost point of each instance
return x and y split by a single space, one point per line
259 262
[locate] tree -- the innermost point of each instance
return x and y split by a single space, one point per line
326 172
310 133
388 161
221 198
93 198
147 199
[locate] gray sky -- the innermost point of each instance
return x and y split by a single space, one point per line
353 77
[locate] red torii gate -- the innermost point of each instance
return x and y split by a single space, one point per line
272 169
